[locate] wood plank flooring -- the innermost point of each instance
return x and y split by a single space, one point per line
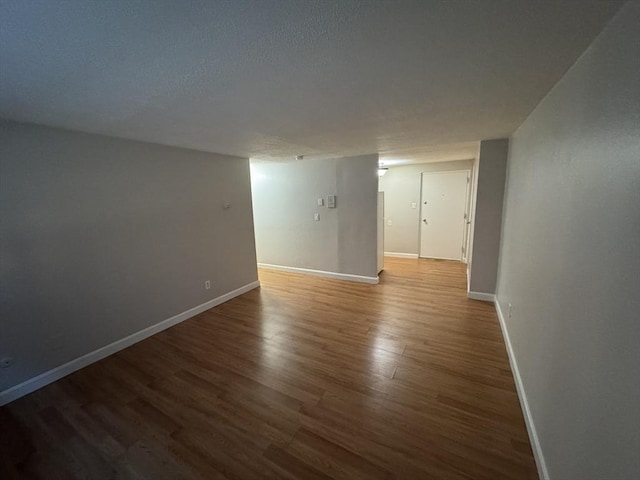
304 378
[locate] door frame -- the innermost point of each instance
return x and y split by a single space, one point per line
380 232
465 231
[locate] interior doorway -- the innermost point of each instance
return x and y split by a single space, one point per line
443 214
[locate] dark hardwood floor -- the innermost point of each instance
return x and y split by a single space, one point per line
304 378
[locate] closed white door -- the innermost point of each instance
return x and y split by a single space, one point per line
442 214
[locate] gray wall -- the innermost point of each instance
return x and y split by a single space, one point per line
489 195
101 237
570 262
285 198
401 187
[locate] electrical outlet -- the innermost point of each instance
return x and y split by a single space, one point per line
321 202
316 217
207 284
510 308
6 362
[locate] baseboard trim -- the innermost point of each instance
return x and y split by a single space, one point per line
524 404
57 373
321 273
400 255
485 297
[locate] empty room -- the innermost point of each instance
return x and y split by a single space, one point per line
302 239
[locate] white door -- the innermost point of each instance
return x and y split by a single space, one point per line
380 231
442 214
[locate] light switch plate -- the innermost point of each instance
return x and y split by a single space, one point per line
316 217
321 202
331 201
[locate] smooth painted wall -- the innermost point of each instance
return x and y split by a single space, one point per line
285 198
102 237
570 260
489 188
401 186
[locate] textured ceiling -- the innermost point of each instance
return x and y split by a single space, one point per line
412 80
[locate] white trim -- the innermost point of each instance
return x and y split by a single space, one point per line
468 279
467 222
444 258
524 404
448 171
321 273
57 373
485 297
400 255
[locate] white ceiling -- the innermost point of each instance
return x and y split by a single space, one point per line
268 79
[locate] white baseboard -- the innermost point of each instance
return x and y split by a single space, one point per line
321 273
524 404
400 255
57 373
485 297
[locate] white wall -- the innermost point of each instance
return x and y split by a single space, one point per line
102 237
489 184
570 260
285 199
401 187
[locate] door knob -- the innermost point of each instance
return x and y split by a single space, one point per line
425 221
